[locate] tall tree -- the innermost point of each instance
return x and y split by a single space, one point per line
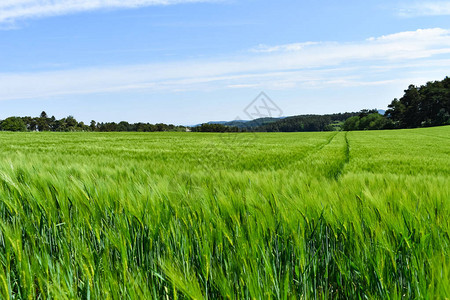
43 122
93 125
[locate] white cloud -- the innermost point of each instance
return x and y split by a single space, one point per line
420 34
373 61
12 10
285 48
425 8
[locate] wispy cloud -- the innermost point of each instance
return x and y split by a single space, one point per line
425 8
373 61
285 48
12 10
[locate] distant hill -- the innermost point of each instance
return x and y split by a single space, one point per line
246 124
227 123
287 124
307 123
329 122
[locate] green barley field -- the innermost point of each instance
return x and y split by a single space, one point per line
332 215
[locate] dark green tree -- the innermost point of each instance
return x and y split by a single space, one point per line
30 123
43 122
13 124
427 105
123 126
70 124
93 125
351 124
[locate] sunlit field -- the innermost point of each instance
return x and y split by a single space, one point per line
198 215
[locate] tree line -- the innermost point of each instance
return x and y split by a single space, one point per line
367 120
212 127
45 123
420 106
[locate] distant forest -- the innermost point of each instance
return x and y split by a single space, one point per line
423 106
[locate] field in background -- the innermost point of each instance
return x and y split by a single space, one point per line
192 215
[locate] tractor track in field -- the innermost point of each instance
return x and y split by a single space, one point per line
337 171
313 151
340 170
320 146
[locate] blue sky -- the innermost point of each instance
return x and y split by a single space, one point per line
188 61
